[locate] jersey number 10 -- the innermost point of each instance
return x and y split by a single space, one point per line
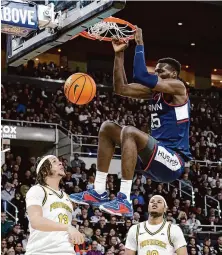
154 252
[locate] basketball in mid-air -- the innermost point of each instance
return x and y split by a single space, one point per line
80 88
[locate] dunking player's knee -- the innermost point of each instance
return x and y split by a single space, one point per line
107 126
130 132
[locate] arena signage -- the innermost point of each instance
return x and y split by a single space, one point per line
18 18
8 132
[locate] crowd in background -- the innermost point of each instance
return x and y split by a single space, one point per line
53 71
105 234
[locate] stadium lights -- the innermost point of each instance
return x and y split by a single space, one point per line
180 23
192 44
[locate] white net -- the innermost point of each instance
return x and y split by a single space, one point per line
114 30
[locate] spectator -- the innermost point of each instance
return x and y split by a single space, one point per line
5 225
136 218
207 244
97 235
76 162
192 245
8 193
94 250
199 215
182 215
102 225
206 251
186 184
193 223
185 228
138 196
87 230
19 249
96 217
69 109
10 241
218 246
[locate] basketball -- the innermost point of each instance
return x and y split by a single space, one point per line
80 88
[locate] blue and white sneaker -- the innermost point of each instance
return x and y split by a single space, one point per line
119 206
89 197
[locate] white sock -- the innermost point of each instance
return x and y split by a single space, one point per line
100 182
125 188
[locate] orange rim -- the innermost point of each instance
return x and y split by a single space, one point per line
108 39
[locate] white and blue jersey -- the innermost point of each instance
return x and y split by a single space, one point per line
170 127
170 124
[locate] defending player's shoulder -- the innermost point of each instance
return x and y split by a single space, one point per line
33 190
132 238
36 195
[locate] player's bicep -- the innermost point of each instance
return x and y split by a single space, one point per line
34 211
135 90
182 251
129 252
170 86
34 214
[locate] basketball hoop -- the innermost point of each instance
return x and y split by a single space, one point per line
109 29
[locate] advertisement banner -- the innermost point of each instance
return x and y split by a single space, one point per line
18 18
28 133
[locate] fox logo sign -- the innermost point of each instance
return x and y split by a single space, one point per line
8 132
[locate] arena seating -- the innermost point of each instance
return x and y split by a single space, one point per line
103 232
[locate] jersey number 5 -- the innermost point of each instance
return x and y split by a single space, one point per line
155 121
63 218
154 252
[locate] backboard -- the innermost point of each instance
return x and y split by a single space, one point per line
58 22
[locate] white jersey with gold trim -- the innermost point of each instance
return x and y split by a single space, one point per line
161 239
57 207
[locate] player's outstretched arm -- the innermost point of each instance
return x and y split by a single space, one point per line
152 81
120 84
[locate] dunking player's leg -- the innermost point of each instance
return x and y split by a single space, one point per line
109 137
132 142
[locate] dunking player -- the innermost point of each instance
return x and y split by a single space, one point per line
164 152
50 212
156 235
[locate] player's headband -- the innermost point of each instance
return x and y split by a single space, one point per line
158 196
42 161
